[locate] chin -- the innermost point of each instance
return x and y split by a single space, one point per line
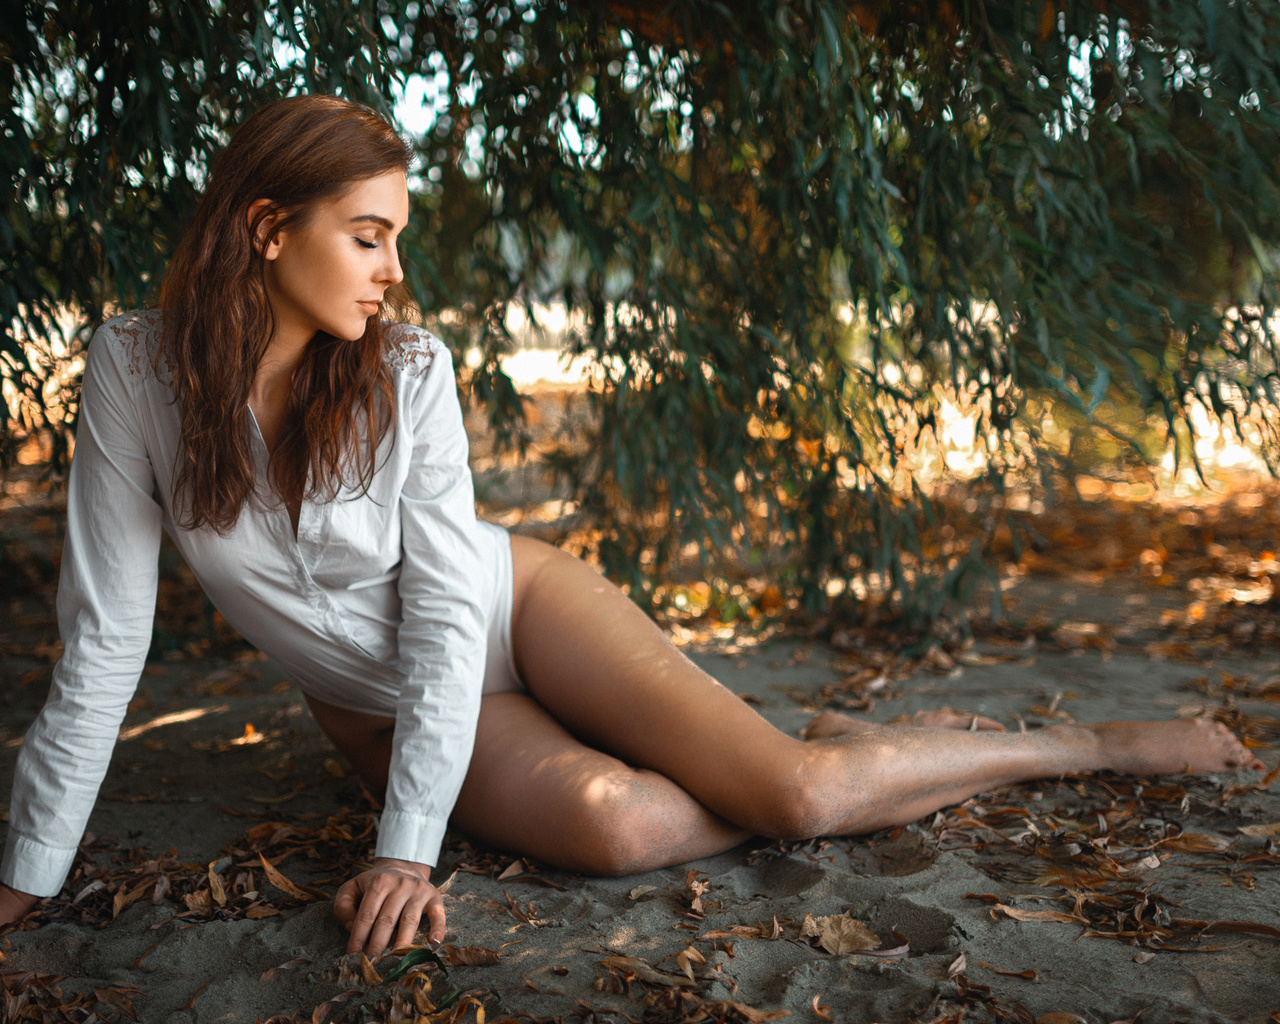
349 332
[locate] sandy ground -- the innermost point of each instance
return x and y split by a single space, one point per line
1077 855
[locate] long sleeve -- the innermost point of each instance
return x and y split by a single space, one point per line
106 607
443 593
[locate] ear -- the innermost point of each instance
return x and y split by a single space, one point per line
262 215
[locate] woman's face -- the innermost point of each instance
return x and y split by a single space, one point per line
329 272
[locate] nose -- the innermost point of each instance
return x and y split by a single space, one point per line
390 271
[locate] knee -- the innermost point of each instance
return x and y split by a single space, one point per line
819 796
793 809
623 830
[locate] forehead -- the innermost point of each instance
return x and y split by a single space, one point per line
385 197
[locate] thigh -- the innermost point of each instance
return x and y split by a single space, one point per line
534 789
606 672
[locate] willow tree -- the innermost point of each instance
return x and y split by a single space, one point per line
787 230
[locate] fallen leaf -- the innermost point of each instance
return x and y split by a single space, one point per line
838 933
686 958
958 966
1226 926
1059 1017
516 867
736 931
1030 973
275 972
279 799
822 1012
1196 842
1143 958
257 911
161 890
125 896
697 886
371 977
645 971
215 886
197 900
1260 831
470 956
1036 915
118 999
280 882
721 1011
639 891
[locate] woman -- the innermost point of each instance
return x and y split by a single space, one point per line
310 463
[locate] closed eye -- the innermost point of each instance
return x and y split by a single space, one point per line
367 245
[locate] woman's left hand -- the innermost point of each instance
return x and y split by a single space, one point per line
390 898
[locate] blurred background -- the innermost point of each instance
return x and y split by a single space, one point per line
855 316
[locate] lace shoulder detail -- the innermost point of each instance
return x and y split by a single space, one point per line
136 336
411 350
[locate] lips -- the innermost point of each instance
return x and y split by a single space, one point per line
369 307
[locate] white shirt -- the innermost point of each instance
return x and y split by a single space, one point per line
378 605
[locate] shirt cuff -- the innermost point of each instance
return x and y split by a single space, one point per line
34 868
412 837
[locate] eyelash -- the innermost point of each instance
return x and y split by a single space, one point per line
366 245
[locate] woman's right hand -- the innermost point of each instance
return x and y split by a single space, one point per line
15 905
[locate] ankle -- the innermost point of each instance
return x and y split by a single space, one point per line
1084 746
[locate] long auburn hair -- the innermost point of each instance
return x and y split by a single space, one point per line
217 320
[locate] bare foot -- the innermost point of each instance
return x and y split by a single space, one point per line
832 723
1185 745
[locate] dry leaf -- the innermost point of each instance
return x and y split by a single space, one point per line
1260 831
279 799
686 958
644 971
1036 915
215 886
470 956
736 931
118 999
275 972
697 886
722 1010
958 966
1058 1017
822 1012
1143 958
371 977
197 900
280 882
1197 842
257 911
516 867
1030 973
838 934
447 884
639 891
161 890
125 896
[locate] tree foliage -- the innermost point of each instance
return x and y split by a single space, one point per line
787 230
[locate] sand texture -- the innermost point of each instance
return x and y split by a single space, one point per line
1084 896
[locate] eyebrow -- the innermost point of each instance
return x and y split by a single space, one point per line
373 218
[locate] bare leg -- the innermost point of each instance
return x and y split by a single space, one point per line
832 723
609 676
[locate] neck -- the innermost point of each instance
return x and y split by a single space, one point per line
274 376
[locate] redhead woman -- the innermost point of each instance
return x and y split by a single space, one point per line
309 461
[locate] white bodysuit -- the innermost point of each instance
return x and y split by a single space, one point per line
388 602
